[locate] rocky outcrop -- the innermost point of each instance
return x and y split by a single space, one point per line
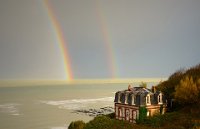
95 112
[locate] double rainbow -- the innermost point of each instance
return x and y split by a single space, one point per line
60 39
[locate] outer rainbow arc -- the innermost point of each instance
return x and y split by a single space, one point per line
110 52
107 41
61 40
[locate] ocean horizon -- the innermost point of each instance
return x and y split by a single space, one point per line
13 83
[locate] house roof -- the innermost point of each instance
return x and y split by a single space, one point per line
139 94
136 91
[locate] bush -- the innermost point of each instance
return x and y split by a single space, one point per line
169 121
142 114
76 125
104 122
143 84
99 122
187 91
111 115
172 87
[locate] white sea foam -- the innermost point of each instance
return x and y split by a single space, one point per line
10 108
77 103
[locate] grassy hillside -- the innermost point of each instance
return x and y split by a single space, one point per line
186 118
169 86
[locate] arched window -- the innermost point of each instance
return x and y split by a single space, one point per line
133 100
134 115
120 112
126 99
160 99
147 113
148 99
119 97
127 114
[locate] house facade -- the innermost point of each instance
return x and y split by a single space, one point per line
128 103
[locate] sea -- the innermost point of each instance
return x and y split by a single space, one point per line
54 106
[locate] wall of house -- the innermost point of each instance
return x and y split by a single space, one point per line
154 112
155 109
126 112
131 113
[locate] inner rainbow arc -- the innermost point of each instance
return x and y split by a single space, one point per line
107 40
60 39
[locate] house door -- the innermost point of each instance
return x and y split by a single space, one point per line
127 115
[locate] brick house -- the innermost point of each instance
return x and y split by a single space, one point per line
128 103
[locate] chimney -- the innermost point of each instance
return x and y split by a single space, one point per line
153 89
129 87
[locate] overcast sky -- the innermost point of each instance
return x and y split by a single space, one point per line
148 38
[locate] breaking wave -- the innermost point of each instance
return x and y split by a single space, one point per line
77 103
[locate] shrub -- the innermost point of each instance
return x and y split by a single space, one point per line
99 122
142 114
76 125
111 115
143 84
187 91
104 122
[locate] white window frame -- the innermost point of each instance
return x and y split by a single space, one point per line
120 112
148 113
119 97
148 99
127 114
134 115
133 100
126 98
160 98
